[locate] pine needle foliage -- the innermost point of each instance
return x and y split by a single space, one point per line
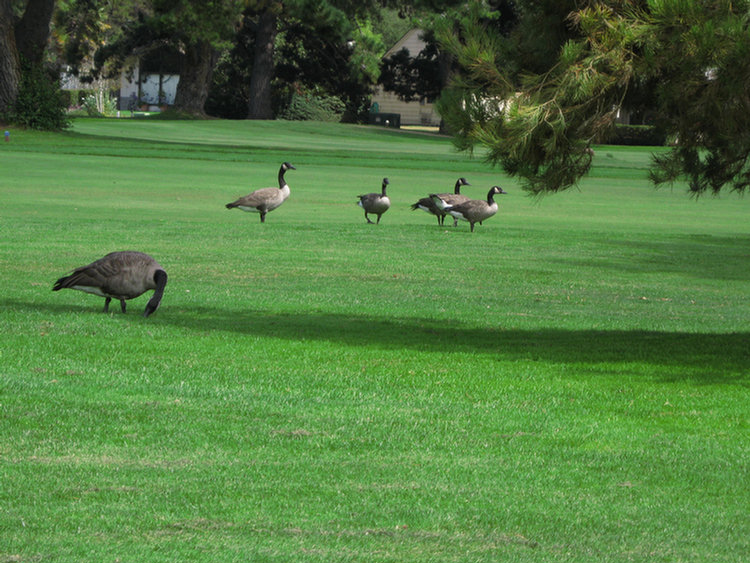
540 125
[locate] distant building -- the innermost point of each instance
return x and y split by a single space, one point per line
412 113
147 89
151 81
147 83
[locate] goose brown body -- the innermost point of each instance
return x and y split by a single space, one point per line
375 203
119 275
429 205
473 210
264 200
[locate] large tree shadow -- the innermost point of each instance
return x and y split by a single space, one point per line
708 357
703 357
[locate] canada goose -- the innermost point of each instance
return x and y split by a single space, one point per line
428 204
375 203
264 200
119 275
473 210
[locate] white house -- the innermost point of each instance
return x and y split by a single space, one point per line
412 113
150 89
135 88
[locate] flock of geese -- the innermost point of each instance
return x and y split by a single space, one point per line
129 274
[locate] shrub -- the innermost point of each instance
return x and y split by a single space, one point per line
40 103
304 107
75 98
100 103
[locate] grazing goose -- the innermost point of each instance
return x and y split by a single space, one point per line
473 210
428 204
264 200
375 203
119 275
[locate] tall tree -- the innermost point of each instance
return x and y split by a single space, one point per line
266 28
23 39
270 17
193 30
351 12
197 30
539 124
32 30
10 66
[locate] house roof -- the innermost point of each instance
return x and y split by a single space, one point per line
411 41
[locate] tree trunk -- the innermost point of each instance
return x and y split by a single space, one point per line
197 66
32 30
28 38
260 82
10 73
446 68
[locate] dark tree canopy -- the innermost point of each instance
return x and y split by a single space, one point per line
413 78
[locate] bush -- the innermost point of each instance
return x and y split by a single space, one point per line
99 103
312 107
75 98
40 103
640 135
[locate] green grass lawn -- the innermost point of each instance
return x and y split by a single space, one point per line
567 383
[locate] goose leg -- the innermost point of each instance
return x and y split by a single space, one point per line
368 219
262 216
106 304
472 227
122 305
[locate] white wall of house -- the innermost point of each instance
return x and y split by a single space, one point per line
154 84
150 85
132 94
412 113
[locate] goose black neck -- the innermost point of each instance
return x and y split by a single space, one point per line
382 192
457 188
281 176
160 279
491 196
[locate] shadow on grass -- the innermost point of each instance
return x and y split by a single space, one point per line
698 256
709 358
705 358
